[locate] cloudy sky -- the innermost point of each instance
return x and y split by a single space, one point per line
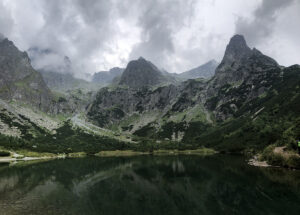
176 35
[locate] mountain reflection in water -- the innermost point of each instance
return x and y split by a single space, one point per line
218 184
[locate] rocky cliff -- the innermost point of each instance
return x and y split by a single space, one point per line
141 73
19 81
243 75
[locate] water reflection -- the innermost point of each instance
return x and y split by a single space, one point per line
148 185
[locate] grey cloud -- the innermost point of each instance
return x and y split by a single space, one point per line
6 21
1 37
76 28
262 25
100 34
159 20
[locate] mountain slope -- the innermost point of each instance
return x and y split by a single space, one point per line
206 71
244 82
63 82
141 73
273 118
243 74
19 81
106 77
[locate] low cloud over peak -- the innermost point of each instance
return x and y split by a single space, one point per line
176 35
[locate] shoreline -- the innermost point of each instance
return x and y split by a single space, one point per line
125 153
277 157
116 153
12 159
255 162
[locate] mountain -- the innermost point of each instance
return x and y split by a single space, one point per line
240 63
106 77
206 71
19 81
141 73
243 75
63 82
250 105
245 83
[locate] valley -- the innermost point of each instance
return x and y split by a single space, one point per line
248 105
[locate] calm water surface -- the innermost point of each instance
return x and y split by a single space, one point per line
218 184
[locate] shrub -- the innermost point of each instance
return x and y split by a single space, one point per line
4 154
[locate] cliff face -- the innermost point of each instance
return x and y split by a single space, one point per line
19 81
243 75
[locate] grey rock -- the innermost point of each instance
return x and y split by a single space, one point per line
206 71
140 73
106 77
19 81
243 74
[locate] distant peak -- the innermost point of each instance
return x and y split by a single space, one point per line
212 62
238 38
2 37
141 59
238 42
6 41
236 49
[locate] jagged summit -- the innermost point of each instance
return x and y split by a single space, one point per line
241 62
141 59
238 43
141 72
236 50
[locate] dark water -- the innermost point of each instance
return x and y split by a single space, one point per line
148 185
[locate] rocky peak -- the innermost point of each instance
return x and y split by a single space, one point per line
237 46
141 72
212 63
236 51
18 80
240 62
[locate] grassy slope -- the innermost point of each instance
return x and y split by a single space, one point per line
272 118
277 122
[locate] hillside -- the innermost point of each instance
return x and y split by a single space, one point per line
63 82
247 91
19 81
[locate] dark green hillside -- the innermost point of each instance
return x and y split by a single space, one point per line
272 119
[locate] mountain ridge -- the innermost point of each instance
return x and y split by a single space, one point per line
206 70
250 104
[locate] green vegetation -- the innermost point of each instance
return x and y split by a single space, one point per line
287 159
273 118
4 153
117 153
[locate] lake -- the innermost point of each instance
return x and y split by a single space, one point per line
217 184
